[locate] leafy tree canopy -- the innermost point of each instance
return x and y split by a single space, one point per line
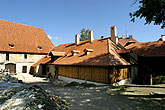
84 34
151 11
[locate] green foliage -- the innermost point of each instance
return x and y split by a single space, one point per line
84 34
151 11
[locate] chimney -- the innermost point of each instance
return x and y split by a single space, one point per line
130 37
114 37
77 39
123 37
163 37
90 36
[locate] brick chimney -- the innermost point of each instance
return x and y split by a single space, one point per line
114 37
90 36
163 37
77 39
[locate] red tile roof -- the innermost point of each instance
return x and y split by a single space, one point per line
147 49
44 60
127 41
100 56
57 53
150 49
24 38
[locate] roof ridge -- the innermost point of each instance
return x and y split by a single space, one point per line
109 53
20 24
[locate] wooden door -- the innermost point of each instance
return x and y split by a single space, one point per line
11 67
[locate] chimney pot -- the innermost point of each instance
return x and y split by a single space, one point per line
114 37
90 36
130 36
163 37
123 37
77 39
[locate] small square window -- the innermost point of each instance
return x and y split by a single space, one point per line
25 56
24 69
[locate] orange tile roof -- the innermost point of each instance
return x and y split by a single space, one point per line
150 49
127 41
44 60
100 56
26 39
57 53
147 49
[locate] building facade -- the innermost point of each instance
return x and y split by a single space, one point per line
21 46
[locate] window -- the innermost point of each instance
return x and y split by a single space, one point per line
11 45
7 56
39 47
24 69
25 56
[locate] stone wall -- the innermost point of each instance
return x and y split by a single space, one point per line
19 60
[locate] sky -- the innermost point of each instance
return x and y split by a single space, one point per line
62 19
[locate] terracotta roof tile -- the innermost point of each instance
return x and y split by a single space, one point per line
150 49
127 41
43 60
24 38
99 57
147 49
57 53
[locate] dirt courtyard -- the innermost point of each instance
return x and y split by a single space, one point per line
106 97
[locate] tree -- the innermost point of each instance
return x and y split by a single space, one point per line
151 11
84 34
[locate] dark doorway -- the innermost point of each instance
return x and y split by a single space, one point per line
11 67
44 69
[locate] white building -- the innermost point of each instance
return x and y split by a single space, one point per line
21 46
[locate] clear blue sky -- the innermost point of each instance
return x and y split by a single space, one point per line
62 19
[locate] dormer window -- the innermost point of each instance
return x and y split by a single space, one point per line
11 45
88 51
39 47
75 52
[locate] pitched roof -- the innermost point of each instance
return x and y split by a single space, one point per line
101 55
147 49
43 60
15 37
127 41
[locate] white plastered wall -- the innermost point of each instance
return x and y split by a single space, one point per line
19 60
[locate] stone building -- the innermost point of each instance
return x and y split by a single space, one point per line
21 46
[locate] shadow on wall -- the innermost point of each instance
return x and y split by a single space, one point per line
36 72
